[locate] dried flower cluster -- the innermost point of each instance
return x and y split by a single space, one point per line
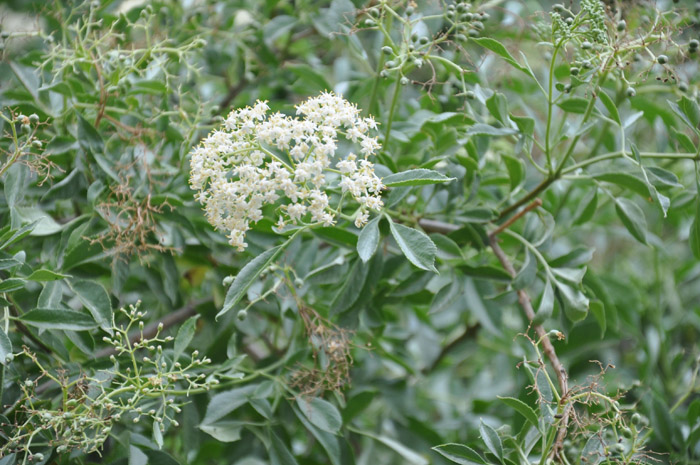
256 160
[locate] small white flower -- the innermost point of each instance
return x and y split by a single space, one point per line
256 159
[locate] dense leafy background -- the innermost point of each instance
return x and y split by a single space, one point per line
100 215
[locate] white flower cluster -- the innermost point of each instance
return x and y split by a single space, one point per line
257 160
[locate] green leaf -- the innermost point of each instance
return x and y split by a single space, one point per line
523 409
368 240
485 272
593 451
12 284
633 218
527 274
417 177
27 77
184 336
498 48
88 137
575 303
248 275
350 291
5 349
97 301
598 310
21 233
516 170
459 453
481 129
546 306
279 454
587 207
15 183
688 111
610 106
415 245
223 403
626 180
224 431
694 235
321 414
50 318
574 105
492 440
46 275
407 453
497 105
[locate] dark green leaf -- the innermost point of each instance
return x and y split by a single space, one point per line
498 48
481 129
460 454
527 273
184 336
574 105
415 245
632 217
97 301
321 414
5 349
368 240
523 409
50 318
46 275
492 440
610 106
248 275
417 177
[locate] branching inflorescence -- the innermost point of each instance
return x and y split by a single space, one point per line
144 381
256 160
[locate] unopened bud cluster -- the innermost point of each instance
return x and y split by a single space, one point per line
257 159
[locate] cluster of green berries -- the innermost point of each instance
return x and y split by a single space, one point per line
26 123
466 23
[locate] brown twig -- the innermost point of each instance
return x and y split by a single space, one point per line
469 332
534 204
547 347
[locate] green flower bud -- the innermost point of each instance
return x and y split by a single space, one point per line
387 50
370 22
473 33
36 143
586 45
470 95
404 81
242 315
424 40
662 59
33 118
410 10
631 92
574 71
621 25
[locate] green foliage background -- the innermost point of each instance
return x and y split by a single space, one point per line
98 215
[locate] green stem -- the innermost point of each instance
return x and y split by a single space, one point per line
620 154
550 108
392 110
